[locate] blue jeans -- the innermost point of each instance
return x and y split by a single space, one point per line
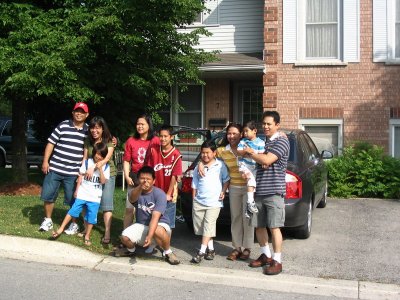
170 212
107 198
51 185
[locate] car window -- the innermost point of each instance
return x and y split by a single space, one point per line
305 149
311 145
7 128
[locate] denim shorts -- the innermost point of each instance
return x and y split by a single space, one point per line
170 212
92 208
107 198
51 185
271 211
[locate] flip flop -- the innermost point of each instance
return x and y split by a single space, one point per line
55 235
88 242
105 241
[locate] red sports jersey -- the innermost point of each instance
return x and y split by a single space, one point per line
135 151
165 166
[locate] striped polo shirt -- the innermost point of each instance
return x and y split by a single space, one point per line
68 144
258 145
271 181
231 161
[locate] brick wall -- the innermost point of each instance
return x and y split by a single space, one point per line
367 94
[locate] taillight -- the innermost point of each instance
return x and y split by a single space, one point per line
294 186
187 181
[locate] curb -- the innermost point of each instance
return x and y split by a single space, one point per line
64 254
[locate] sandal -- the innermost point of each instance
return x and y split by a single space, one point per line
88 242
245 254
105 241
234 255
55 235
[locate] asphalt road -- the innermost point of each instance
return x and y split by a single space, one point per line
354 239
31 280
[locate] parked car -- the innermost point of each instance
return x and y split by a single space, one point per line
306 184
35 148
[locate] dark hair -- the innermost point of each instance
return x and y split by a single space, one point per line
274 114
150 135
166 127
250 124
100 148
147 170
238 126
208 144
106 137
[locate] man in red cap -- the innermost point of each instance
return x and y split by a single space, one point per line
62 159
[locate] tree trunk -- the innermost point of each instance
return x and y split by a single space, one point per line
18 146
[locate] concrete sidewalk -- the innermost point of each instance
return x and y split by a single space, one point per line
53 252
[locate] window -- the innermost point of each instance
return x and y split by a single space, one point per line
394 139
252 103
191 101
386 31
327 134
210 15
321 31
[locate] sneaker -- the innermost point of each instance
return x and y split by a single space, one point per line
210 255
123 252
251 207
248 214
72 229
46 225
197 259
150 249
172 259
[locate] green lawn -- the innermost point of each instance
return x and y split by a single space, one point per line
22 215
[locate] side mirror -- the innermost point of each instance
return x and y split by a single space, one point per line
326 154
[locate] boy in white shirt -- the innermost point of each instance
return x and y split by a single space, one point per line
88 192
208 195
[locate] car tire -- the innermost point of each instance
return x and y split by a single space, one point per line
304 231
323 201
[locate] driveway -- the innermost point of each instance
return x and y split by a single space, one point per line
354 239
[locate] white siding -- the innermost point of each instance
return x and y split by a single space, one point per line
240 27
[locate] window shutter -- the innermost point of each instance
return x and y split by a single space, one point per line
380 31
210 16
289 31
351 30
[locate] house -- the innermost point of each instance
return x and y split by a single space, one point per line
330 67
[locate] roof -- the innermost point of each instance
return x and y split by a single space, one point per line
236 62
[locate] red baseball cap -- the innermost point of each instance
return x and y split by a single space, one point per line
81 105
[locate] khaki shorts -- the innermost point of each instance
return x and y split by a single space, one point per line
271 212
205 219
137 232
128 204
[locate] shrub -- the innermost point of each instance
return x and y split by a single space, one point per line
364 171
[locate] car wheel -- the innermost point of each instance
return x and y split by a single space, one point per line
322 203
2 161
304 231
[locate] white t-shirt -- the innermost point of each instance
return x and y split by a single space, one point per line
91 190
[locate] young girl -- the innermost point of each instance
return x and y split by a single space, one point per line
247 166
208 195
88 192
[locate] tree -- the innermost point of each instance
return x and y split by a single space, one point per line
120 53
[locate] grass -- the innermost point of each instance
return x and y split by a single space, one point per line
22 215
